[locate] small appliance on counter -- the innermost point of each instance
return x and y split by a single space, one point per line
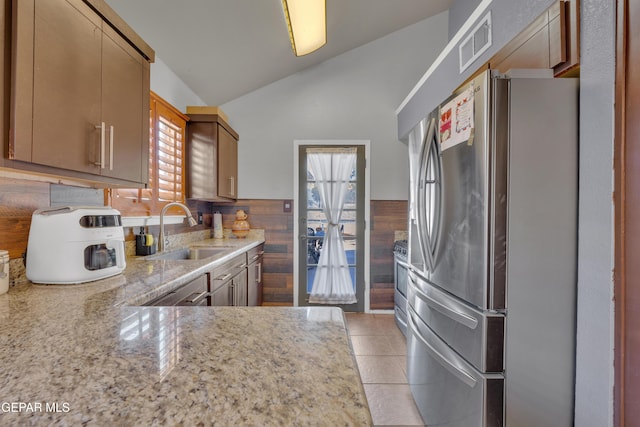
75 244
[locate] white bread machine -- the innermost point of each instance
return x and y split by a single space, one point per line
75 244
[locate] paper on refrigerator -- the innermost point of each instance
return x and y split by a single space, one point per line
455 122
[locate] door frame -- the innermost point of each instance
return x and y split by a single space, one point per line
626 215
296 211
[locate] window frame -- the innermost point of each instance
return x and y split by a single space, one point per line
147 201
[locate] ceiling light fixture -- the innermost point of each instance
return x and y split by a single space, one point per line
307 23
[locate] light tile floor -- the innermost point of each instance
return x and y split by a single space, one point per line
380 350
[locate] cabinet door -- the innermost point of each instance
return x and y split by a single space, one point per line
240 289
202 180
254 282
222 295
254 275
71 73
227 164
259 265
125 109
66 89
193 293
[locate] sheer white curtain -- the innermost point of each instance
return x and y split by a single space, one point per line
332 282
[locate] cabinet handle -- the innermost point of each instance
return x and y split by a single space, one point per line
259 272
102 128
256 256
197 297
232 190
225 277
111 147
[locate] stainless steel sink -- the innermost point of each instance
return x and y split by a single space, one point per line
185 254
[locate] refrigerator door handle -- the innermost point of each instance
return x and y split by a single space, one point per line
438 181
436 353
443 308
423 232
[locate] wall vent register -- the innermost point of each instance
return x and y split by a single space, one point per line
476 43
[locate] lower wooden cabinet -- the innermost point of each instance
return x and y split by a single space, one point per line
237 282
239 288
228 282
254 275
193 293
222 295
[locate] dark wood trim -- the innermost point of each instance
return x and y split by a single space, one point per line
627 215
619 195
118 24
552 41
214 118
571 66
539 24
160 100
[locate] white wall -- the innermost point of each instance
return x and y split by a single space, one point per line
459 11
171 88
352 96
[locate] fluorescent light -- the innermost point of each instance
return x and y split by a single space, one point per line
307 23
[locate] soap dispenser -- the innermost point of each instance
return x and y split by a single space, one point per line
145 244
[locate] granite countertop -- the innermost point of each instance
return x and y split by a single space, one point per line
88 355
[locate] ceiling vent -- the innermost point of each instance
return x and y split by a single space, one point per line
475 43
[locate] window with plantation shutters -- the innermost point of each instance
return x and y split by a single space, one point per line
167 129
169 153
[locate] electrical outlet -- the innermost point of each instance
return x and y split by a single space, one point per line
286 206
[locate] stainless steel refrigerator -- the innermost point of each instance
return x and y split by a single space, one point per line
492 254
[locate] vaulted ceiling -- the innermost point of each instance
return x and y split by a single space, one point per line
223 49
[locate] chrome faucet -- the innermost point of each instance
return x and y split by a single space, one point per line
161 238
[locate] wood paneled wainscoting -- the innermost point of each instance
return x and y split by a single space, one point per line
387 217
277 267
19 198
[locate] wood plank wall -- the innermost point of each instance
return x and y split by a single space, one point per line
277 268
19 198
387 217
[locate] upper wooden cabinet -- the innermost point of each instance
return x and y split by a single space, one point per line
80 93
551 41
212 159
